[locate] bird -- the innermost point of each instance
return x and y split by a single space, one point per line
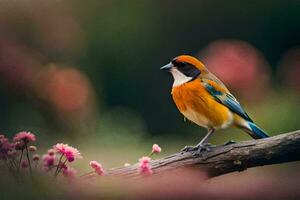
204 99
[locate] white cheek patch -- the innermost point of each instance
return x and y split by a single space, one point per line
179 78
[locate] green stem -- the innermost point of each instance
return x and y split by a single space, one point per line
20 160
58 165
28 159
13 166
5 161
14 163
9 168
50 168
150 154
61 167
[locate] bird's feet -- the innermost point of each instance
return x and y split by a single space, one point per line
198 149
229 142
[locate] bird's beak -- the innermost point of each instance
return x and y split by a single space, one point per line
167 67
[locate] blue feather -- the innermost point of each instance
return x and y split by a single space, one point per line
257 133
230 102
227 100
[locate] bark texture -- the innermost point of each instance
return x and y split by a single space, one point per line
225 159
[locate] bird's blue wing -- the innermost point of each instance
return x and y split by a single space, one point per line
227 100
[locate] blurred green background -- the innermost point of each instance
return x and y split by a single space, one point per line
87 73
73 69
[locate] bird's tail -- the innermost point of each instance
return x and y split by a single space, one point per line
254 131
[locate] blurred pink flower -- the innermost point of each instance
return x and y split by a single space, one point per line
156 148
94 164
19 145
69 152
239 65
144 159
32 148
97 167
63 166
36 157
51 152
70 155
69 172
3 140
12 153
67 89
48 160
5 147
24 136
144 166
24 164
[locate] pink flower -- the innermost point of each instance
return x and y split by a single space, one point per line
51 152
144 159
12 153
5 147
24 136
48 160
69 172
19 145
63 166
145 169
69 152
156 148
24 164
100 171
144 166
70 156
35 157
94 164
3 139
60 148
32 148
97 167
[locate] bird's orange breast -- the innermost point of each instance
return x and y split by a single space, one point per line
197 105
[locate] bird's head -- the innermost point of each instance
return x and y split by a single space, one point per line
184 68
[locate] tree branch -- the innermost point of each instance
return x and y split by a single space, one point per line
225 159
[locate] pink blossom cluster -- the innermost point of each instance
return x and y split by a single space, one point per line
97 167
57 159
48 161
69 152
32 148
22 138
156 148
12 152
25 137
145 166
5 147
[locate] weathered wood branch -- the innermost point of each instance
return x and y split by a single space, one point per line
225 159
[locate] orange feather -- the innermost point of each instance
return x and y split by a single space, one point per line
194 61
196 104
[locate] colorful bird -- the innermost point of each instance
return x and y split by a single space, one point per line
203 99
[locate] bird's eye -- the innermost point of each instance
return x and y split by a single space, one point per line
186 68
178 64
